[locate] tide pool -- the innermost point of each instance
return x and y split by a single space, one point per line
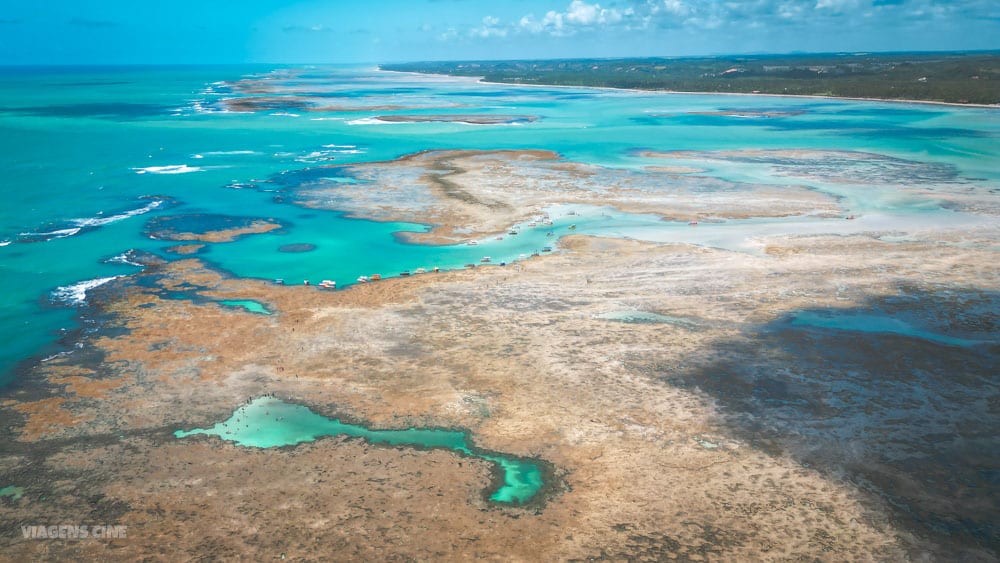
864 322
247 304
267 422
12 492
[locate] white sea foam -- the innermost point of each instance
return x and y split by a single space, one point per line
169 169
372 121
54 356
4 242
340 146
49 235
99 221
226 153
76 294
285 114
326 119
124 258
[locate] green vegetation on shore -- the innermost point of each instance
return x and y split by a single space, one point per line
964 78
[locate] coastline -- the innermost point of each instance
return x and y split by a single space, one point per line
699 395
482 80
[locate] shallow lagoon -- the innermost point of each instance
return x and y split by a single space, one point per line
267 422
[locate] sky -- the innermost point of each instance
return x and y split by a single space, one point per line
374 31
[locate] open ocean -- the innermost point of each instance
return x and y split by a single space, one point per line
92 155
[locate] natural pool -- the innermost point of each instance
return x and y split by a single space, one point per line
267 422
15 493
863 322
643 317
248 304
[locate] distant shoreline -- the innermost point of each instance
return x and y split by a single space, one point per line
482 80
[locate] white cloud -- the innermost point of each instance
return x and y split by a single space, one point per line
623 16
582 13
673 7
491 28
837 5
579 15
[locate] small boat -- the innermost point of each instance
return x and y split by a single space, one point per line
532 224
279 281
693 223
305 282
571 213
436 269
420 271
472 243
548 223
362 279
375 277
503 263
572 227
470 265
546 249
486 259
512 232
404 274
328 284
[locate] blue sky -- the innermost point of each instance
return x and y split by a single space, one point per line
345 31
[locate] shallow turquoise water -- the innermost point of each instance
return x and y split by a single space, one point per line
14 493
90 154
267 422
863 322
643 317
247 304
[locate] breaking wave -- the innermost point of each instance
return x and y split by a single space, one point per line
169 169
76 294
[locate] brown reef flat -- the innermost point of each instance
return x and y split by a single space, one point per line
468 194
225 229
668 440
715 429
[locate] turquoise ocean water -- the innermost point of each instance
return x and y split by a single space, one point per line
91 154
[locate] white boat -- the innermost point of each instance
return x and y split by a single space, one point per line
362 279
472 243
486 259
